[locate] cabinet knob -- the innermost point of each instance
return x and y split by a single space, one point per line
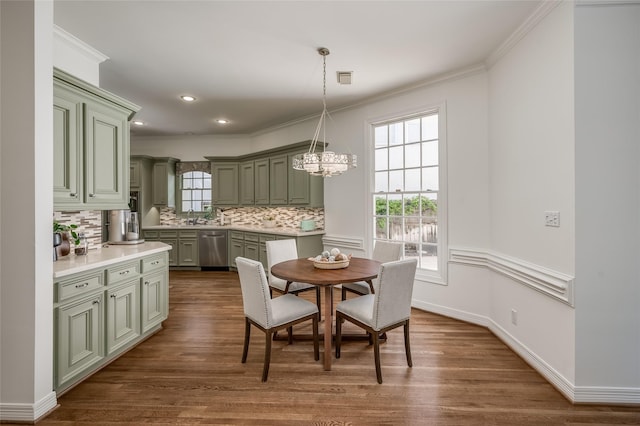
92 195
113 296
146 283
73 195
95 302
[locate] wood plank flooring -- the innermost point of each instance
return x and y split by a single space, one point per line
190 373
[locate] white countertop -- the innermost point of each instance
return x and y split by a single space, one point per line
105 256
278 230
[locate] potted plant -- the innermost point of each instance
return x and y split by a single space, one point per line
67 232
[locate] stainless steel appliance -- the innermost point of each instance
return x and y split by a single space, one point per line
212 248
124 227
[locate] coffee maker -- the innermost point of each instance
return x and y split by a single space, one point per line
124 227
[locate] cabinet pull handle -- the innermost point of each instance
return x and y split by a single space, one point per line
92 195
73 195
124 272
146 283
155 262
82 285
95 302
113 296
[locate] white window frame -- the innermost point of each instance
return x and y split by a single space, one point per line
425 275
203 190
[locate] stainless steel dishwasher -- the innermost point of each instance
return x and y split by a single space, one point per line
212 248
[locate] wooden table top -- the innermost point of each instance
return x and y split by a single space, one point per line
302 270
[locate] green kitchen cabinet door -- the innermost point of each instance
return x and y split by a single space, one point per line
236 249
164 182
261 182
155 298
278 186
225 184
80 336
134 174
247 183
123 315
173 253
106 156
67 148
304 189
188 252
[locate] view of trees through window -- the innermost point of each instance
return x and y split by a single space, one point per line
195 189
406 186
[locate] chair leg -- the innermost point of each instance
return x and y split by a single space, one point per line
247 332
344 293
267 355
316 349
290 335
338 334
319 303
376 353
407 347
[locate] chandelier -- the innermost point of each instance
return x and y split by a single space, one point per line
323 163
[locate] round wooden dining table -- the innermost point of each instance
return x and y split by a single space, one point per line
303 271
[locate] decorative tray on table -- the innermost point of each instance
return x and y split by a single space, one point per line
331 260
336 264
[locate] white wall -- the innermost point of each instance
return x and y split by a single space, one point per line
26 333
189 147
531 163
607 106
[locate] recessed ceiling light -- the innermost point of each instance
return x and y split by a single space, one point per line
138 123
222 121
187 98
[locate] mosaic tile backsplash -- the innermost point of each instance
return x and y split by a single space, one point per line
90 221
286 217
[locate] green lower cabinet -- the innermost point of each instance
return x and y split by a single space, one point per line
103 312
236 249
79 337
123 315
155 299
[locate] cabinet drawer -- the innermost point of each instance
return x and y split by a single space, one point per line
251 237
123 272
168 234
152 263
191 233
149 235
79 285
266 237
236 235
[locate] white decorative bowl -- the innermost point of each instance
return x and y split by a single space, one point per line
331 265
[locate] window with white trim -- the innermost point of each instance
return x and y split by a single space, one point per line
195 190
406 165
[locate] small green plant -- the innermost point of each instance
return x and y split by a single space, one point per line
269 218
62 228
208 212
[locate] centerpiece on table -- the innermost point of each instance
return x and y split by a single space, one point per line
332 259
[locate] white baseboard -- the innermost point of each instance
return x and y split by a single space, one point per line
575 394
28 413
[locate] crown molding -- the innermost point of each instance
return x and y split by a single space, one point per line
538 15
78 45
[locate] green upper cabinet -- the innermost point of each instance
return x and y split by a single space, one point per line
91 146
278 177
247 183
135 178
265 178
164 182
304 189
225 184
261 177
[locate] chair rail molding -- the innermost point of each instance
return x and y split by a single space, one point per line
557 285
343 242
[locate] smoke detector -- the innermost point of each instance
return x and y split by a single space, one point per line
344 77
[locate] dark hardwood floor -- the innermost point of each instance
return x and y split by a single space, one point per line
190 373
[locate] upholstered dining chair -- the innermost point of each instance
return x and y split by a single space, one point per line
279 251
389 307
270 315
384 251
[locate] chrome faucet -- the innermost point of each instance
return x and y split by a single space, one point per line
189 220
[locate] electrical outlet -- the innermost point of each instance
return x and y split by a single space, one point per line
514 317
552 218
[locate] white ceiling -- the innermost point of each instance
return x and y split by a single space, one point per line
256 64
